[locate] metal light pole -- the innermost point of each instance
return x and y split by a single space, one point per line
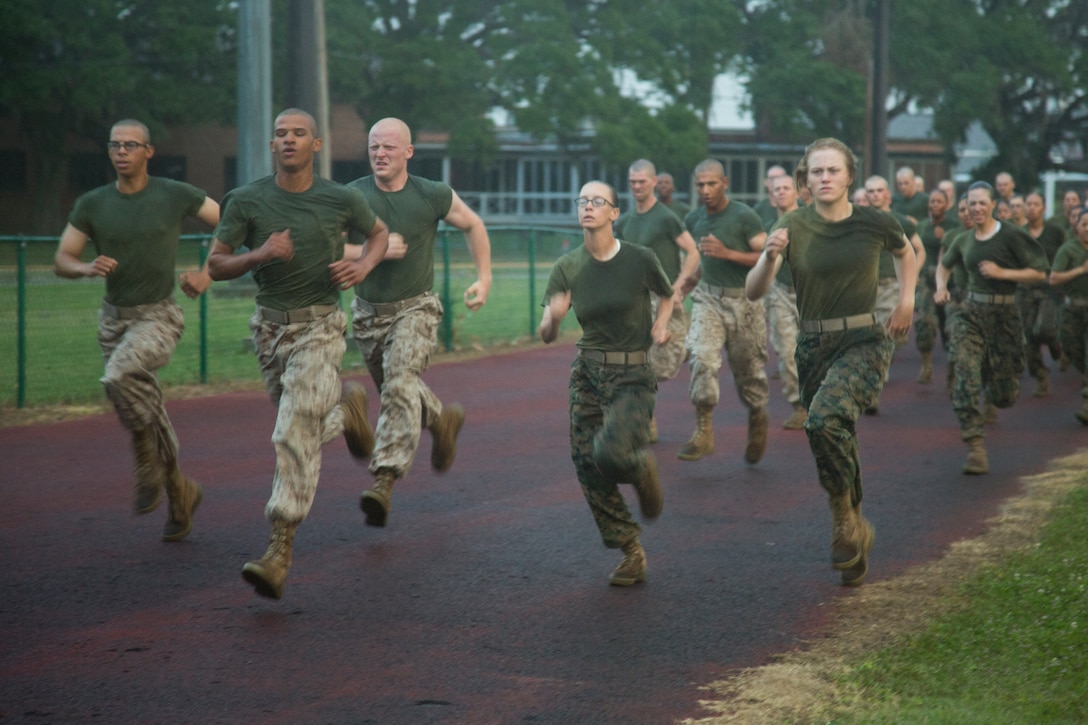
307 75
254 90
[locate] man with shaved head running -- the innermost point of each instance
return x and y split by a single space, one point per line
396 312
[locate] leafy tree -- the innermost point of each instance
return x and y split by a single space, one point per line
1018 67
73 67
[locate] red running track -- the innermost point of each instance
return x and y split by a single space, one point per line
485 600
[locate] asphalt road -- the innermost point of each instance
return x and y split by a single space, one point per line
485 600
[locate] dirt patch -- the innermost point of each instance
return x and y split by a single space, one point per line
807 685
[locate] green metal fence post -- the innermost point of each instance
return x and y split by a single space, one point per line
532 282
447 305
20 334
204 318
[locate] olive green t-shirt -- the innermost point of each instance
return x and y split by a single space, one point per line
887 261
927 232
835 264
958 279
678 208
611 299
317 218
1010 247
733 226
414 213
657 228
1050 239
916 206
1072 254
141 232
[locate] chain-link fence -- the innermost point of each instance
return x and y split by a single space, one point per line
48 325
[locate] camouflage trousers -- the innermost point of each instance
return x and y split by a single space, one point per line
1038 306
841 374
134 349
1075 341
887 299
989 355
740 326
926 320
396 349
300 363
666 359
783 322
610 411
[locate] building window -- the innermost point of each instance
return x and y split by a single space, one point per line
170 167
88 171
14 165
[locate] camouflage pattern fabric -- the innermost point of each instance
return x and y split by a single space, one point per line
610 410
926 322
396 350
1035 302
300 363
740 326
841 374
989 355
784 323
133 350
1075 341
666 359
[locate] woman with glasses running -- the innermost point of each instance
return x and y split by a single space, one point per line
612 386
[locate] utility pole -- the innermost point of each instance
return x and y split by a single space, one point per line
307 75
254 90
878 134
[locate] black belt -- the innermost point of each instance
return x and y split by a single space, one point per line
385 309
838 324
131 313
290 317
991 299
609 357
724 291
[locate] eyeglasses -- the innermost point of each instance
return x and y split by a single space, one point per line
126 145
598 201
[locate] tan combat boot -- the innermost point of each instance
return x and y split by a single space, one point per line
269 573
184 495
850 533
376 501
1042 388
976 463
1082 414
925 374
702 440
797 418
758 420
632 569
357 431
149 478
855 575
444 431
651 498
653 429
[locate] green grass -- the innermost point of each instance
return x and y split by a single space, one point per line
1015 652
64 362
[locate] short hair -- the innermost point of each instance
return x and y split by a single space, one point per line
820 144
904 171
643 165
299 112
611 190
133 123
710 166
985 186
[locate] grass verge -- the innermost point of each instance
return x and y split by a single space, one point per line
994 632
